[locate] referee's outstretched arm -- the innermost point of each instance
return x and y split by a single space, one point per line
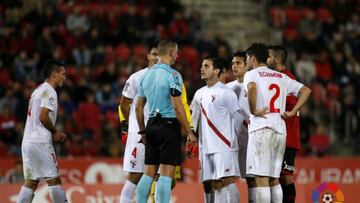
181 116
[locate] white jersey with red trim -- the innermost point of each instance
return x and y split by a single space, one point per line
272 87
44 96
240 92
130 91
216 104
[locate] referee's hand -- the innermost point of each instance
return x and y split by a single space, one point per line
190 144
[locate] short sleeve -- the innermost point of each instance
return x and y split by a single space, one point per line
231 101
293 86
140 92
130 88
195 110
175 84
48 100
248 78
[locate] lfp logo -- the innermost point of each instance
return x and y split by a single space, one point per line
327 193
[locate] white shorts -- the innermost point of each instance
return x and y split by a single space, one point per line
39 161
243 142
265 153
219 165
134 156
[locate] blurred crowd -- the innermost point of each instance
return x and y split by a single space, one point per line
323 40
103 42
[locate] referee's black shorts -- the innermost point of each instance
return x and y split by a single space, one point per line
163 141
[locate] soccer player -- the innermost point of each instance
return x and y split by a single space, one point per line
161 88
39 159
266 91
217 128
134 151
239 68
276 61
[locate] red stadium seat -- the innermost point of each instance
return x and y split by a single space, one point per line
74 148
190 55
3 150
278 16
122 52
139 51
290 34
323 14
109 54
293 16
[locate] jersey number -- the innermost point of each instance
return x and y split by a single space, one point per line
274 98
134 152
54 159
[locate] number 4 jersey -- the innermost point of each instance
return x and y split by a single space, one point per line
272 87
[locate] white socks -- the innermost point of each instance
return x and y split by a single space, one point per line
228 194
57 194
127 193
263 195
25 195
276 194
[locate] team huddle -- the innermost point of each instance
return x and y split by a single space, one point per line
242 128
240 125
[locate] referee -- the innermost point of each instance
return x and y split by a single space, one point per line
161 89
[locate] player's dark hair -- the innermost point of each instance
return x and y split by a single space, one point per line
279 52
152 44
52 65
218 63
260 51
240 54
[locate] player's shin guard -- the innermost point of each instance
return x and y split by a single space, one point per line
163 190
25 195
127 192
57 194
276 194
143 189
289 193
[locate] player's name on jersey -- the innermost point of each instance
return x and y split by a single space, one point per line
267 74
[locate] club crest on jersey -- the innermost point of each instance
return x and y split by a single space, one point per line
213 98
133 163
126 88
51 101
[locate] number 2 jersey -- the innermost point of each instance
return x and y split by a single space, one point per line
44 96
272 87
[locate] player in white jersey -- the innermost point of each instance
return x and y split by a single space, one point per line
267 90
239 68
39 159
134 157
217 125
